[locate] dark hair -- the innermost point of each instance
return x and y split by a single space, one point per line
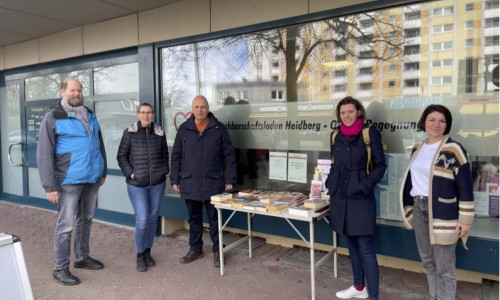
433 108
145 104
355 102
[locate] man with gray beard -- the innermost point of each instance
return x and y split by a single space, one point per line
72 165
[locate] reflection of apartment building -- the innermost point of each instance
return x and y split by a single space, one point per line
429 49
448 50
254 91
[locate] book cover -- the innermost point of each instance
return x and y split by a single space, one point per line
268 199
242 201
493 205
316 204
277 206
256 206
300 210
316 186
226 203
221 197
244 193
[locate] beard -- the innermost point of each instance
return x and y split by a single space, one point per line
75 101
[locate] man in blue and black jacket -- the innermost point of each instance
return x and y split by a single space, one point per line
72 164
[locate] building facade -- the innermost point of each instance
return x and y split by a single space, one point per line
289 67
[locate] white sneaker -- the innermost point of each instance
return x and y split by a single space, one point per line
352 292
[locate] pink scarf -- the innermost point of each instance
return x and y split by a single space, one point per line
354 129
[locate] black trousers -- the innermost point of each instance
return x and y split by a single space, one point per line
195 211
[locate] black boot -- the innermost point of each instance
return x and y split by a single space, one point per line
141 262
149 260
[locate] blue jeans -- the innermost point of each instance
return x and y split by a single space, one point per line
364 263
195 211
146 202
79 200
438 260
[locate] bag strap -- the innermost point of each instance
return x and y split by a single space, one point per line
332 139
366 138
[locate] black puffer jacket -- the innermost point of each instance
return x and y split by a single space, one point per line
143 152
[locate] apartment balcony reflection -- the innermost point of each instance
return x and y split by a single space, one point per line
412 24
339 80
488 50
413 40
492 31
339 95
491 13
364 94
364 78
411 74
412 8
414 90
411 57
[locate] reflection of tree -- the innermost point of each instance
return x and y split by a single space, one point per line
48 86
298 51
308 45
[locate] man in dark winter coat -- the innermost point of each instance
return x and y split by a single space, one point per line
203 164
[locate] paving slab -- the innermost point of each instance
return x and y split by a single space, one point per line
269 274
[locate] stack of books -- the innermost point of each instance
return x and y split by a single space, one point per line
255 206
223 199
301 210
316 204
242 201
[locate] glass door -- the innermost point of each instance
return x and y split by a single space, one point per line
12 140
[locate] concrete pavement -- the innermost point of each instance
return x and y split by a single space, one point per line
263 276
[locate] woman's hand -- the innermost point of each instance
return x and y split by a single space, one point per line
462 229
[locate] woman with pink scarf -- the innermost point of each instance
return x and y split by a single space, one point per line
352 201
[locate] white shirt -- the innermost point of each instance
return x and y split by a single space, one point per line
421 169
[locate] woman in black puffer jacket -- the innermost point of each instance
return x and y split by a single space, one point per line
143 159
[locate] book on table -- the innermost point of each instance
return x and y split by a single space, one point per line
255 206
300 210
277 206
221 197
315 204
242 201
226 203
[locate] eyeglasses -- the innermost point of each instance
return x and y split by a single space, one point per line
146 112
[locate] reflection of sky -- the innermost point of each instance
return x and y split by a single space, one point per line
117 79
219 61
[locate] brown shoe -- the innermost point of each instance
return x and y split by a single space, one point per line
217 259
190 256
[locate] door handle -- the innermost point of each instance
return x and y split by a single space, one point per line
10 158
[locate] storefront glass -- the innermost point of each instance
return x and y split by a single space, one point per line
288 81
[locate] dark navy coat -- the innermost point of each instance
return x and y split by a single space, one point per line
351 189
202 164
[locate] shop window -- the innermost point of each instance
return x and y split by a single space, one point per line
244 62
